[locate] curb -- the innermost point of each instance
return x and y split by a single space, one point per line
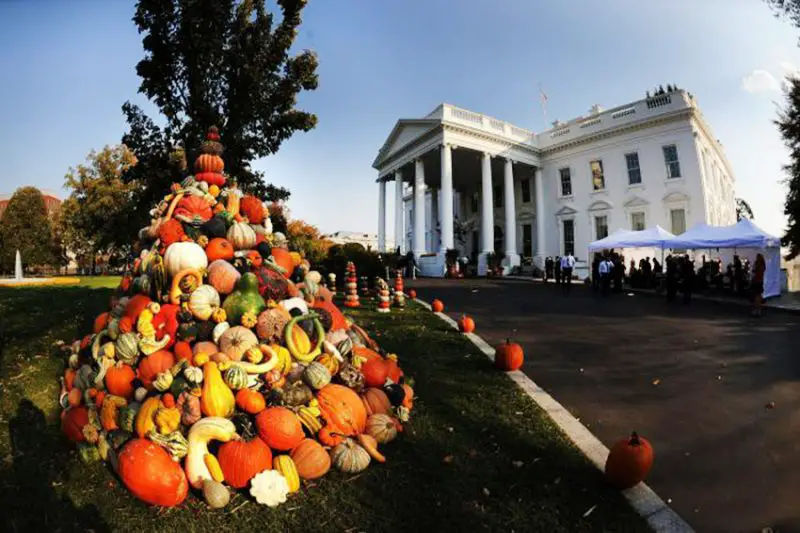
659 516
698 297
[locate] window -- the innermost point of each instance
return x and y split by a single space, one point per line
526 191
527 240
474 202
671 161
634 173
569 236
637 221
598 179
601 226
566 182
498 196
678 220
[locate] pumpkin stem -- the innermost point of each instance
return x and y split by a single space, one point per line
634 439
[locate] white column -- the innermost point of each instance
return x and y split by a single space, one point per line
399 230
487 206
539 186
446 200
418 236
512 257
381 216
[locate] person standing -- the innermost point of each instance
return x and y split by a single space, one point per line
618 272
604 270
557 267
757 284
596 275
672 279
567 264
687 279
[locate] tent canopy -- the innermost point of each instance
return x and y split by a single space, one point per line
656 237
743 234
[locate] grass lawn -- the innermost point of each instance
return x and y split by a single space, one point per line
477 456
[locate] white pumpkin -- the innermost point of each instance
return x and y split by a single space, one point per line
242 236
183 255
203 301
236 341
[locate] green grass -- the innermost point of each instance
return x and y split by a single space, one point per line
507 466
100 282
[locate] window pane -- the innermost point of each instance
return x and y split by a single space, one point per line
601 226
678 220
671 161
498 196
526 191
637 221
566 182
598 179
569 237
634 174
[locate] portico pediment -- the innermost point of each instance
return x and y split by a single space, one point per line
405 132
601 205
565 211
636 201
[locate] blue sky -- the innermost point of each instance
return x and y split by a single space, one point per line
69 66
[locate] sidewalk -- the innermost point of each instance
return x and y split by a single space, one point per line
788 302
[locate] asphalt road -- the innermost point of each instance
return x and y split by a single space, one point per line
695 380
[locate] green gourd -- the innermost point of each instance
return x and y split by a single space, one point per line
127 348
88 452
244 299
118 437
236 377
126 417
175 443
316 375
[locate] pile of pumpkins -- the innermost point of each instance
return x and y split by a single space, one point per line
223 362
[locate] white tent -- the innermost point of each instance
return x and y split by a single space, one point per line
743 234
656 237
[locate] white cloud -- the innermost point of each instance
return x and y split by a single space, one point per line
760 81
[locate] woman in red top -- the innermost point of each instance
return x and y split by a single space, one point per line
757 284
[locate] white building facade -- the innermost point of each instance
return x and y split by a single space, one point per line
368 240
473 183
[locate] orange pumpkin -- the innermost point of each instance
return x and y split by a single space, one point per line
437 306
250 401
311 459
212 178
171 231
376 402
366 353
101 322
284 260
343 412
219 248
135 306
629 461
183 351
75 397
241 460
412 294
152 365
375 372
193 207
395 372
119 380
280 428
151 475
252 208
69 379
72 422
408 401
209 163
466 324
508 356
255 258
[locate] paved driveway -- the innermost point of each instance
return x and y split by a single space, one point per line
694 380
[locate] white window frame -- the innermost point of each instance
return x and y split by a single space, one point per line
561 236
637 169
597 215
643 214
685 219
667 164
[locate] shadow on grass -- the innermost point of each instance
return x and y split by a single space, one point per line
28 485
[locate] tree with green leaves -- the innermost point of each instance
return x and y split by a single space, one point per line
94 218
26 227
743 210
223 63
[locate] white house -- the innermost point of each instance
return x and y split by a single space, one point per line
368 240
505 188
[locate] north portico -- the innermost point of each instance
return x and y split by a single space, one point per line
505 189
447 155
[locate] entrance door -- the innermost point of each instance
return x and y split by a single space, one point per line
527 240
474 248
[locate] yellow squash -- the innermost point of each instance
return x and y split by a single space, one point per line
217 398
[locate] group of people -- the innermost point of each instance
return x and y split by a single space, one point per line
560 268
